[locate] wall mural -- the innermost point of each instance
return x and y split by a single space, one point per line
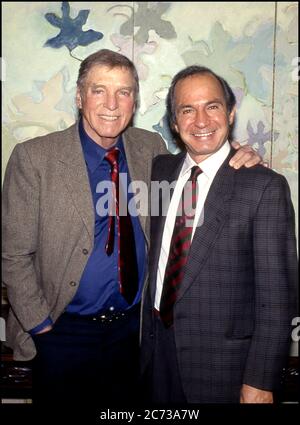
252 45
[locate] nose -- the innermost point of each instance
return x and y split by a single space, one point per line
111 101
202 118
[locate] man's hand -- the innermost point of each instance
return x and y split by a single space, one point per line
246 156
254 395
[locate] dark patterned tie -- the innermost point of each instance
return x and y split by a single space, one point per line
179 247
128 270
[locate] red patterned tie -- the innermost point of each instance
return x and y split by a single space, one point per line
127 262
179 247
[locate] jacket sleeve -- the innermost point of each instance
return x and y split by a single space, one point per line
20 239
275 270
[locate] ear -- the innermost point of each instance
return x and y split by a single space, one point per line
78 99
175 127
232 115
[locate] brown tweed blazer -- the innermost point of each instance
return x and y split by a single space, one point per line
48 224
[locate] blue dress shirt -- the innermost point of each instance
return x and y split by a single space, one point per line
99 285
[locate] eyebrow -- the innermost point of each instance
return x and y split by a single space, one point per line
216 100
180 107
95 86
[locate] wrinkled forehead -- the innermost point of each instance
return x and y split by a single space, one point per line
118 75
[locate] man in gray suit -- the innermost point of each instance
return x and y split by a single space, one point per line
220 301
72 309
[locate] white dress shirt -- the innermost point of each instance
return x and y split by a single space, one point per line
209 168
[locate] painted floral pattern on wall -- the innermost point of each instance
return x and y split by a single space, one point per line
71 34
254 46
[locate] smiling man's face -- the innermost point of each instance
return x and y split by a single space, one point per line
202 118
107 103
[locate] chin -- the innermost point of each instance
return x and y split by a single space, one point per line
203 152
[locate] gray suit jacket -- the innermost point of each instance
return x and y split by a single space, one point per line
232 317
48 224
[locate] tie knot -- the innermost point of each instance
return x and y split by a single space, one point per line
195 171
112 156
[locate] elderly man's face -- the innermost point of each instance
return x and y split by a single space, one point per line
107 103
202 118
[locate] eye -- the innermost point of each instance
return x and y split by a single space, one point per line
97 91
215 106
187 111
125 92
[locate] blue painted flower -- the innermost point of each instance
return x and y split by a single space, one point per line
71 34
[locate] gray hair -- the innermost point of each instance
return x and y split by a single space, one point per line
110 59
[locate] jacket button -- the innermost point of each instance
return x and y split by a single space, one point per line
72 283
85 251
151 335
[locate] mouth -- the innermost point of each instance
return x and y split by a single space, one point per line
206 134
109 118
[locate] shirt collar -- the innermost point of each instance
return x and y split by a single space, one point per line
94 153
210 165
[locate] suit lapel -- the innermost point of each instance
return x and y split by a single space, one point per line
135 156
168 173
216 213
139 167
74 174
